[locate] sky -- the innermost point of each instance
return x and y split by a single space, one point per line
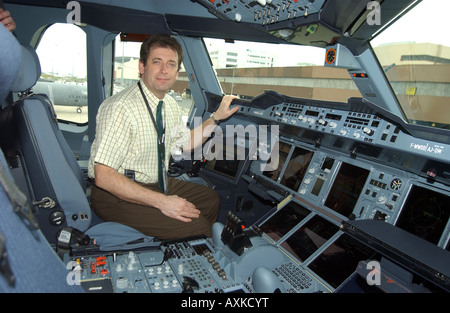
62 50
428 22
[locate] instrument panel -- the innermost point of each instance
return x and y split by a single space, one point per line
263 12
293 250
210 266
352 161
357 189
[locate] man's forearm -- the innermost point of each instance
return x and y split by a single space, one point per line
122 187
200 134
172 206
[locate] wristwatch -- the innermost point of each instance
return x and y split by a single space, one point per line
214 119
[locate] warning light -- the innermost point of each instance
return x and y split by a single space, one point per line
243 227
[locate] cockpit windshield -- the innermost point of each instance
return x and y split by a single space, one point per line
247 69
415 55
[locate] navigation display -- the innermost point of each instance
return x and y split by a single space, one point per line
337 262
275 164
228 165
425 213
346 189
284 220
309 237
228 162
296 168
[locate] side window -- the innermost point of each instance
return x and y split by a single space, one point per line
62 54
126 73
126 62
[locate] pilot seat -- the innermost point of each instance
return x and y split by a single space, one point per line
45 167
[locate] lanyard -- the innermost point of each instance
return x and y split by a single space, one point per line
160 138
162 173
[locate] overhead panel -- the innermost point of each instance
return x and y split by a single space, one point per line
262 12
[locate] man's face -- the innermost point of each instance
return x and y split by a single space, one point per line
161 70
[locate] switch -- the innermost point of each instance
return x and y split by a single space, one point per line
122 283
381 199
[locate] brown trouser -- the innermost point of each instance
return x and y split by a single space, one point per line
151 221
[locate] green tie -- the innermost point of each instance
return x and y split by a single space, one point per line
161 154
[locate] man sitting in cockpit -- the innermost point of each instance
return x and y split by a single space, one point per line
131 151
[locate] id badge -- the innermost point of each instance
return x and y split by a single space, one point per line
165 177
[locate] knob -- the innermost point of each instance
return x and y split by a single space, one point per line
368 131
57 218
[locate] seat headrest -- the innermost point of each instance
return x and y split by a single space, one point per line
10 52
29 71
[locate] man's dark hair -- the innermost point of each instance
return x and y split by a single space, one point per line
161 41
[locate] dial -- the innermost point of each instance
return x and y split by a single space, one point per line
396 183
330 56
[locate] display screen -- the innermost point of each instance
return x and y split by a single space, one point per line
317 186
337 262
425 213
227 167
275 164
284 220
346 189
228 162
296 168
327 164
309 237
